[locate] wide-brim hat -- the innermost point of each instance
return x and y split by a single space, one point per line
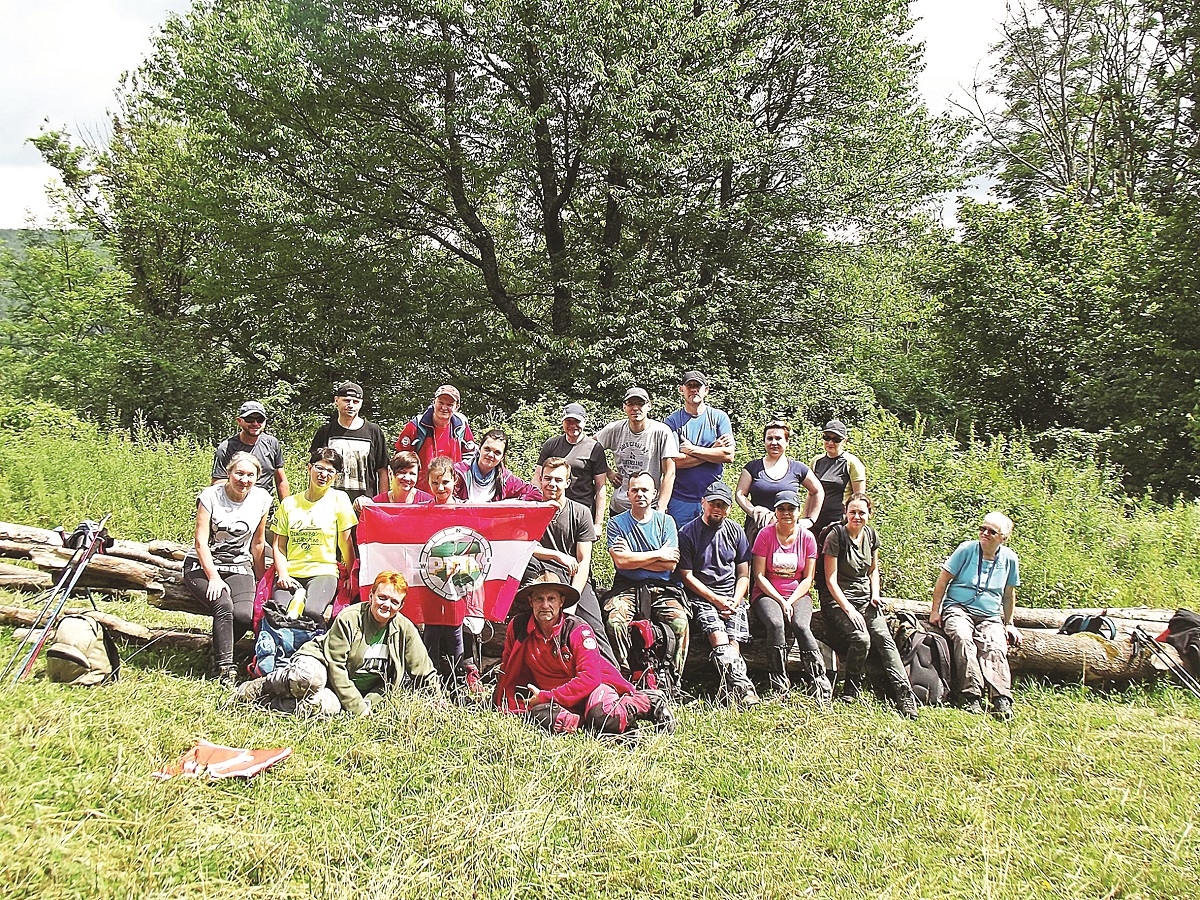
570 595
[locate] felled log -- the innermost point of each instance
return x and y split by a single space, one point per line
155 568
129 632
1151 620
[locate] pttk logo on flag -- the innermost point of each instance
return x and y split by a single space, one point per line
459 560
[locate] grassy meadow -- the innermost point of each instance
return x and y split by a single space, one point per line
1084 795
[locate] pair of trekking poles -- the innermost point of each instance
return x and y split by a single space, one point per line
88 540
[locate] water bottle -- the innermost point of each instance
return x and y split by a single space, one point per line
296 608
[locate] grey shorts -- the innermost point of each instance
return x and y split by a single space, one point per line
736 627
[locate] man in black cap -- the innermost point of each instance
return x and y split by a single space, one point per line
589 467
362 444
714 566
706 444
253 439
639 444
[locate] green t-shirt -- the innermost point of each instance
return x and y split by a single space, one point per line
371 673
312 531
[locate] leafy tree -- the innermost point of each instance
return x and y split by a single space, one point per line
541 198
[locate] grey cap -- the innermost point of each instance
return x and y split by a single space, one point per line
693 375
636 392
719 490
249 408
836 426
575 411
791 498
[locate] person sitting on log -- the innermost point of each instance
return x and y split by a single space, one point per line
226 558
566 548
370 648
553 672
714 566
973 602
644 545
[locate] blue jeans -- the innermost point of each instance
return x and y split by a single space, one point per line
683 511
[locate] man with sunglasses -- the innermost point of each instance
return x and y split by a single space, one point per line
253 439
973 602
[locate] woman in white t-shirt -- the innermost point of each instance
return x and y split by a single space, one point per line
785 559
226 559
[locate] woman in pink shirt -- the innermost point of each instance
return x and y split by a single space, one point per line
785 560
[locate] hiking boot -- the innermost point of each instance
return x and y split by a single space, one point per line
228 677
1002 709
660 714
745 695
251 691
907 705
851 690
813 667
778 678
971 704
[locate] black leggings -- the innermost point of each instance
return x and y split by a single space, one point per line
232 613
770 615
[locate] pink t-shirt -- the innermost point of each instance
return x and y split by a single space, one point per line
785 565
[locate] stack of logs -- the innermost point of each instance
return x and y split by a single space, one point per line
156 570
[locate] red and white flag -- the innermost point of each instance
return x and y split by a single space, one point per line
462 560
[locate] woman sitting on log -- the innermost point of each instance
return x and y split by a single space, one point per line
486 479
762 480
856 623
226 558
404 470
311 530
785 559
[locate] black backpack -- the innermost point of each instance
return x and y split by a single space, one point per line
926 657
652 657
1101 625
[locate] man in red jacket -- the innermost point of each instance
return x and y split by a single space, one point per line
555 675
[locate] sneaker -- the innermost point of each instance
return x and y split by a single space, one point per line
251 691
907 705
972 705
228 677
745 695
1002 709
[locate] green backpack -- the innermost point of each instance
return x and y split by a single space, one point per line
83 652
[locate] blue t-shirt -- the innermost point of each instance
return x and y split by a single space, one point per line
658 532
703 431
977 584
712 554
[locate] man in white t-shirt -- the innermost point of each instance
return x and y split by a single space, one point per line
639 444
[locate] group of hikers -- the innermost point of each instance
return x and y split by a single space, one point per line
574 655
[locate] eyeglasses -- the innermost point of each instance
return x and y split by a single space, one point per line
989 531
325 470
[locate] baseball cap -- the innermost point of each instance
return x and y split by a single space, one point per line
835 426
693 375
250 408
575 411
449 390
349 389
790 498
719 490
637 392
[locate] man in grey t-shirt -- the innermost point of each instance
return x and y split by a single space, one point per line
253 439
639 444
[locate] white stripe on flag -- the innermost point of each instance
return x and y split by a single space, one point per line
509 558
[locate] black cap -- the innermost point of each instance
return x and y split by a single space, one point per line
693 375
349 389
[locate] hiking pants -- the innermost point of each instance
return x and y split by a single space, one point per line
770 616
605 711
443 641
854 645
232 613
620 609
978 654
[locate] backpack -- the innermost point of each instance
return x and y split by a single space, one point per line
652 657
83 653
1101 625
926 657
1183 633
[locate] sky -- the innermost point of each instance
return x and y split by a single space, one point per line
60 61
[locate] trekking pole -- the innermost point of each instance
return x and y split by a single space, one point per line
1186 678
51 596
93 540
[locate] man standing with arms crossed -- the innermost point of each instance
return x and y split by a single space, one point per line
706 443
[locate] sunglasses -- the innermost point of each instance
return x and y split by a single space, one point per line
254 420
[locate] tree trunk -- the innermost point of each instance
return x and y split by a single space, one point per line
130 632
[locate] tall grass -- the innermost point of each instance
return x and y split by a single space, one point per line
1081 542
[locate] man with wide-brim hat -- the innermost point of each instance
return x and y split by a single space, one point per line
553 672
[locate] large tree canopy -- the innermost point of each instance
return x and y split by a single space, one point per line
539 197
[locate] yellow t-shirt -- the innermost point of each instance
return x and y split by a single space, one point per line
312 531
